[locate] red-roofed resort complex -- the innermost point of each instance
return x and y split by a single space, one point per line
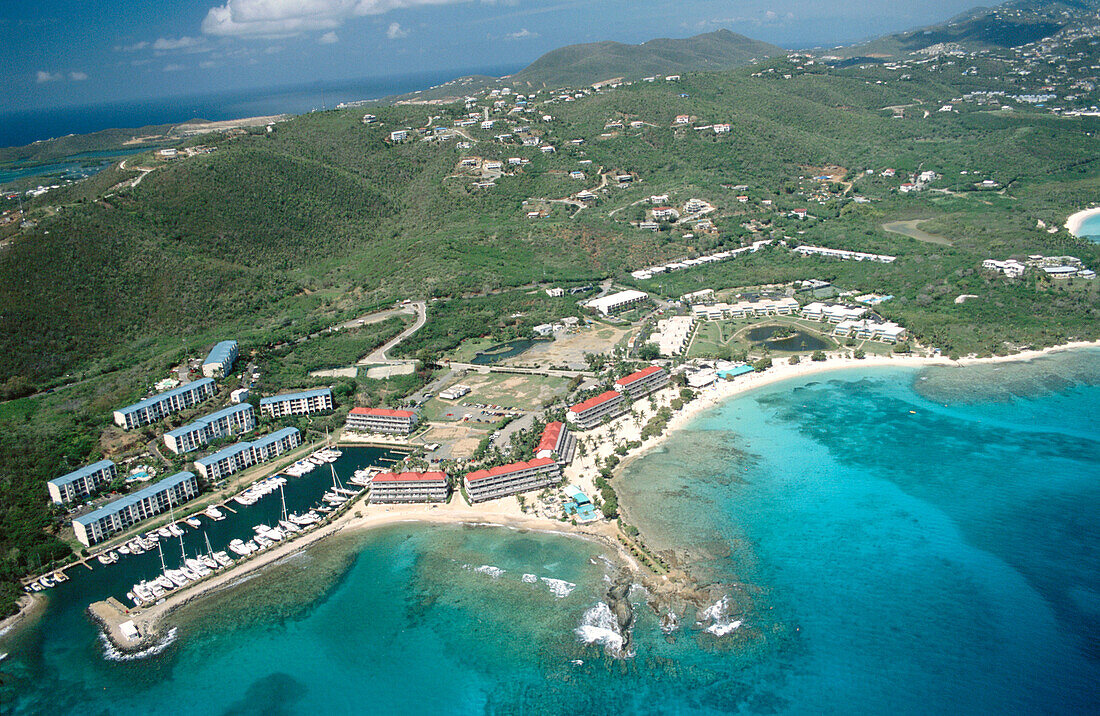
482 485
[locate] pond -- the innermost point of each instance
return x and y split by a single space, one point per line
502 351
784 338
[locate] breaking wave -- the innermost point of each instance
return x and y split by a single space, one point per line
718 615
599 626
489 569
113 653
559 587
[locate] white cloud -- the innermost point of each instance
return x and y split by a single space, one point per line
132 48
269 18
78 76
523 34
329 38
174 68
168 43
396 32
42 76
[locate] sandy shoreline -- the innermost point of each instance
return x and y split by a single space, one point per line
598 445
1073 223
150 621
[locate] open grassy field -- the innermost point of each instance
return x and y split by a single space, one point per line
720 339
523 392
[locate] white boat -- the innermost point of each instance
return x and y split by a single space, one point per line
156 589
123 549
114 557
142 592
165 582
214 513
163 532
209 561
289 526
45 581
105 559
323 508
223 559
191 576
262 541
36 587
152 536
176 577
193 521
60 577
251 544
238 547
196 566
147 544
175 530
316 460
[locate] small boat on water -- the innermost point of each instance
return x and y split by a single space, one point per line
163 532
238 547
214 513
196 566
175 530
193 521
60 577
114 557
223 559
191 576
105 559
45 581
289 526
147 544
35 587
123 549
165 582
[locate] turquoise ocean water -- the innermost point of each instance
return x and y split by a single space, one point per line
890 541
1090 228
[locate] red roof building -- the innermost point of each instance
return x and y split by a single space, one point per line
590 412
381 420
388 487
642 382
556 440
517 477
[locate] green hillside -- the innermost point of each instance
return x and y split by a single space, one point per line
275 235
578 65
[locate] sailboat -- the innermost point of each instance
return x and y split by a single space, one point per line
285 522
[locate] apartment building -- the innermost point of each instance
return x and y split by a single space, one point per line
120 515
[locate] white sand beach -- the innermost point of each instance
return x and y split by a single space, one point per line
1073 223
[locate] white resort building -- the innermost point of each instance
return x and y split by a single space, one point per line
616 302
591 412
409 487
304 403
381 420
219 362
117 516
234 420
156 407
511 479
240 456
81 483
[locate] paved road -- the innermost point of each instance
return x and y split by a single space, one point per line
508 369
379 356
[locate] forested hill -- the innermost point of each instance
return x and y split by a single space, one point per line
1011 24
578 65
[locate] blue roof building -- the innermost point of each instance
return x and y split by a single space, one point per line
117 516
82 482
220 361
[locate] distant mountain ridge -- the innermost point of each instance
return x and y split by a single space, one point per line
575 65
1011 24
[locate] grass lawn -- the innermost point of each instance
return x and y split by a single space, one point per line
523 392
716 338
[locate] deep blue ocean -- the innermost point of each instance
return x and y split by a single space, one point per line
19 127
888 540
1090 228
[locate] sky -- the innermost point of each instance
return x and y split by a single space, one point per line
76 52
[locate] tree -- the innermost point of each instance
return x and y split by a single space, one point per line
793 360
649 351
762 365
818 356
859 354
